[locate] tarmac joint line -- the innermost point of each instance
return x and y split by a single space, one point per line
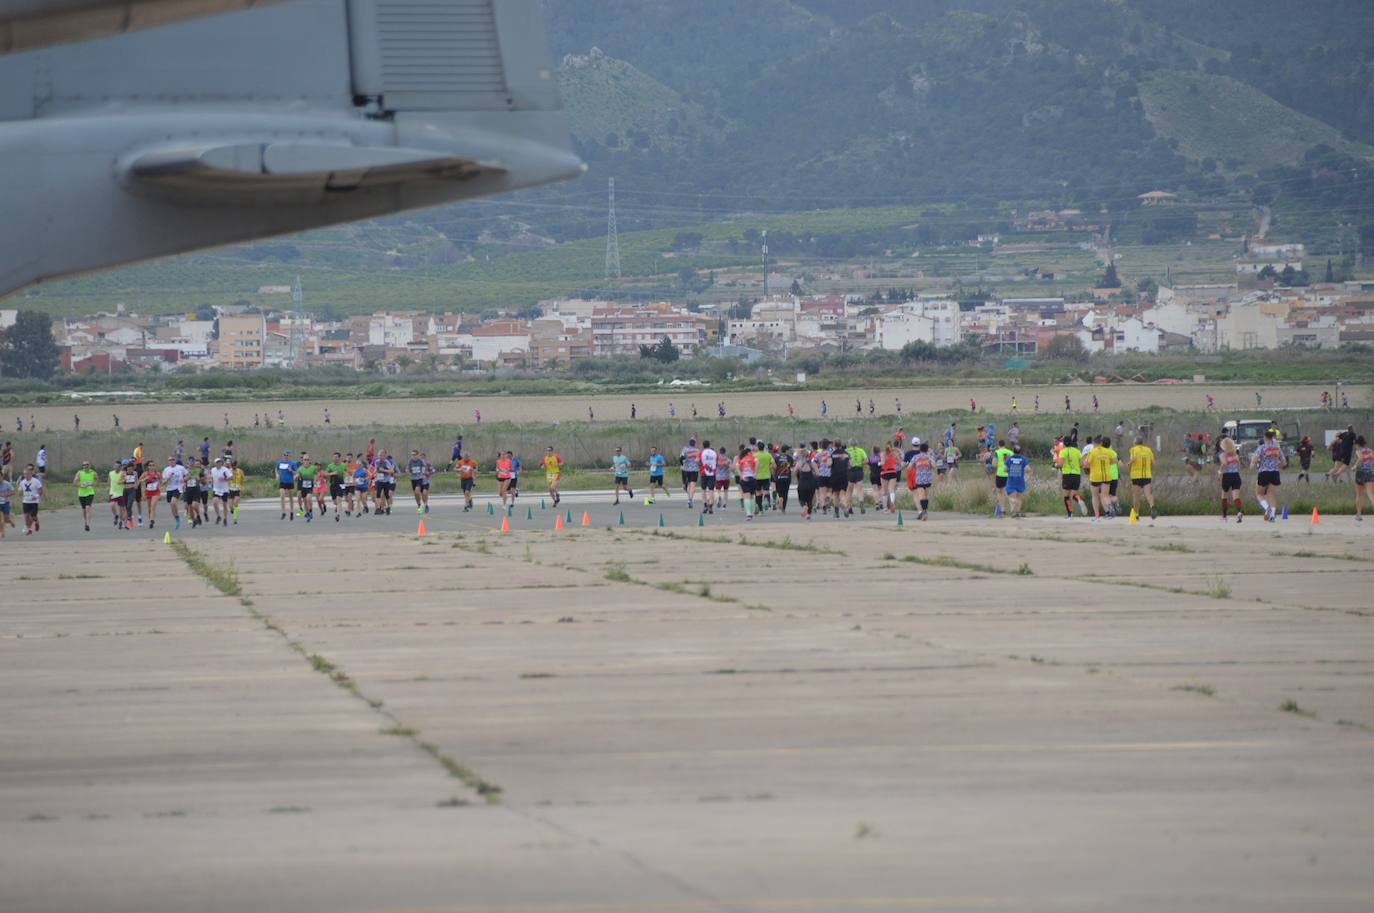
225 579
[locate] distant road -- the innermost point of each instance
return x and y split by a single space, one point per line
460 410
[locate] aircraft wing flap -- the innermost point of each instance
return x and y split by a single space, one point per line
288 168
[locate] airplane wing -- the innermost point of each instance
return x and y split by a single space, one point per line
266 121
26 24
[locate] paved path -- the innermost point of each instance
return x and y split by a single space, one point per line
1061 716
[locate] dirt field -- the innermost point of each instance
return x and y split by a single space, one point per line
462 410
841 716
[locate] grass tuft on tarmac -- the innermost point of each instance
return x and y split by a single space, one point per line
222 577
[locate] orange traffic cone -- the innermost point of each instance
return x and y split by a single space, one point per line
505 524
558 521
1316 517
586 519
420 530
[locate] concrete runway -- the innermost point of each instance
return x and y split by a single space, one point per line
960 714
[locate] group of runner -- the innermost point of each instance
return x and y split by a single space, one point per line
356 485
830 477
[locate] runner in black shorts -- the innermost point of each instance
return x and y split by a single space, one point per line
839 479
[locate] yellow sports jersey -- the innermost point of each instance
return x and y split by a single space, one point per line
1069 461
236 480
1100 461
1142 462
553 465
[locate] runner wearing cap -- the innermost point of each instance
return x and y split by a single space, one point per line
84 480
286 484
219 487
131 493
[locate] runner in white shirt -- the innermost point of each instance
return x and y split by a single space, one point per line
709 461
219 489
174 483
31 492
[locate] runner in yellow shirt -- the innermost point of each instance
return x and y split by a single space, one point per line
1142 463
1100 461
553 471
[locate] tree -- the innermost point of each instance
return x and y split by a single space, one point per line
1148 288
663 351
796 289
1110 278
741 309
1330 271
27 348
1065 347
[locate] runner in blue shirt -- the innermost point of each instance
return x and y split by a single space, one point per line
620 468
657 466
286 484
1018 468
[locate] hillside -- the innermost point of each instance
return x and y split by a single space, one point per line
1235 125
613 104
959 111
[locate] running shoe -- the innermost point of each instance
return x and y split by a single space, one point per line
1154 514
178 523
88 526
140 521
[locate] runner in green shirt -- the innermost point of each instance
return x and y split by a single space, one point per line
337 469
117 495
1070 462
85 491
763 482
999 462
306 474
